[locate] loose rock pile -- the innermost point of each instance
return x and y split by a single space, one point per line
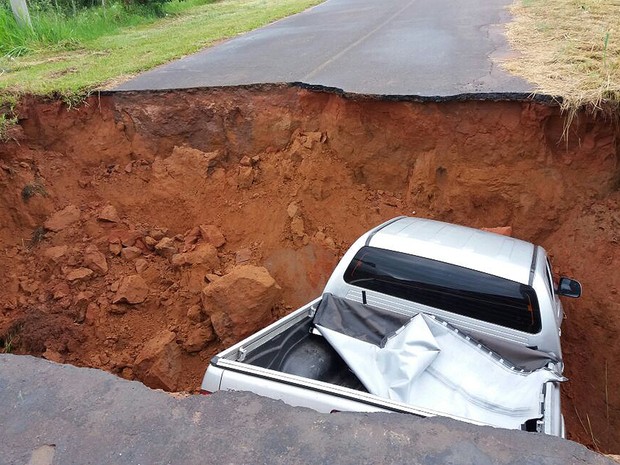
126 271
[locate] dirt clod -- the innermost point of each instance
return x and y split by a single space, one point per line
131 289
95 260
166 247
130 253
243 256
245 178
199 338
204 254
503 230
240 302
109 214
297 227
63 218
115 247
79 274
158 362
212 235
141 265
194 314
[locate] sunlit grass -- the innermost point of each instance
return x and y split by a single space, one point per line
54 29
93 62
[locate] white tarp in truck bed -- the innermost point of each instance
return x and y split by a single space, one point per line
424 362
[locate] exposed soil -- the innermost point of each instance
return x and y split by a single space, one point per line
117 215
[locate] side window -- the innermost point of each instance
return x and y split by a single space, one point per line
550 280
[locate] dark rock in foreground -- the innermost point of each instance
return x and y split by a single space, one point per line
60 414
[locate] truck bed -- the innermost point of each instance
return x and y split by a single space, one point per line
309 345
300 352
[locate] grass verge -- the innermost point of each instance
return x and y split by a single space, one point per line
568 48
54 29
130 50
8 118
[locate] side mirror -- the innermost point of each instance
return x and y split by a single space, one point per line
569 287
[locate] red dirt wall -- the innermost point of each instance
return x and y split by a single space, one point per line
290 178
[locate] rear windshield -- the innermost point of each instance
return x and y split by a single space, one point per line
447 287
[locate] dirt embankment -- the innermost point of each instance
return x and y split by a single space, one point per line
137 230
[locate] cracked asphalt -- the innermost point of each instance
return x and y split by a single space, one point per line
55 414
426 48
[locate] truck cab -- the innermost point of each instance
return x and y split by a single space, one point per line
497 288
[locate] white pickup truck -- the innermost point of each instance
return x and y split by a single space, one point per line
421 317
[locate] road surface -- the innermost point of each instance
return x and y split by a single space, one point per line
59 414
427 48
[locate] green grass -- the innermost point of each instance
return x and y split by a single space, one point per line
7 114
30 190
85 62
8 341
7 345
54 29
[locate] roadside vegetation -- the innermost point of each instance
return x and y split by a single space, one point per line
57 28
74 48
569 49
8 118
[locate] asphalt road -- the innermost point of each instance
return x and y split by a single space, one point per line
54 414
428 48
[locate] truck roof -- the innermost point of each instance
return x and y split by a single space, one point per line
479 250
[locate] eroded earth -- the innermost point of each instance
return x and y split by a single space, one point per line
144 232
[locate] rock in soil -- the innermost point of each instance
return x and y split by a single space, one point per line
63 218
109 214
55 253
132 290
166 247
95 260
79 274
241 302
158 363
212 235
